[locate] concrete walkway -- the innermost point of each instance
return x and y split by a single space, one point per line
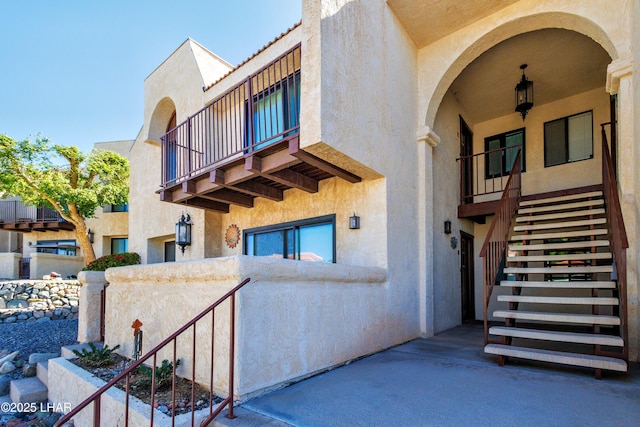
448 381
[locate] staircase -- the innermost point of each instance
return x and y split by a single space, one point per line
562 298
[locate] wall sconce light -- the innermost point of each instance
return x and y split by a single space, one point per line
90 234
447 227
524 94
354 222
183 232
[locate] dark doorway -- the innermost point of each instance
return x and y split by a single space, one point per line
466 277
466 163
170 251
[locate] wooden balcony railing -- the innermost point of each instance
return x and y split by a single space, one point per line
14 211
152 358
618 238
262 109
495 244
486 173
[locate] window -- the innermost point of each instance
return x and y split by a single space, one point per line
275 111
501 153
119 245
307 240
568 139
120 208
58 247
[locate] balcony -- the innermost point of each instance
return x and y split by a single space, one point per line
483 177
244 144
16 216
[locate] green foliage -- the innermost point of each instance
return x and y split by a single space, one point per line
62 178
164 374
96 356
118 260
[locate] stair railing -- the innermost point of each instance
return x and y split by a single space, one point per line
619 242
495 244
126 374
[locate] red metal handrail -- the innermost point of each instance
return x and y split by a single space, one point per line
126 374
495 244
475 172
260 110
619 242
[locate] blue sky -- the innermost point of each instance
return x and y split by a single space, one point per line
73 71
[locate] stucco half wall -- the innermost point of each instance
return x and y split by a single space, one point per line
293 319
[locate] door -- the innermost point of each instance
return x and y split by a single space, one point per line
466 277
466 163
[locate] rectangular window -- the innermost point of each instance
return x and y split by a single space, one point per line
119 245
58 247
501 151
568 139
120 208
307 240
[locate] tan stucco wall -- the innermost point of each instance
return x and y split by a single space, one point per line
44 264
537 178
293 319
9 265
365 246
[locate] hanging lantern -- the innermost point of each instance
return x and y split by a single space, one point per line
524 94
183 232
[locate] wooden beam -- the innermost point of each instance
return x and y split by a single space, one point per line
260 190
228 196
208 204
294 150
294 179
165 196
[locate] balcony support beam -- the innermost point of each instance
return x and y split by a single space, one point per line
251 188
294 150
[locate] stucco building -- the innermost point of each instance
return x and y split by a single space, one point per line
400 113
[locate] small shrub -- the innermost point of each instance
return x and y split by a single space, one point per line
118 260
164 374
96 356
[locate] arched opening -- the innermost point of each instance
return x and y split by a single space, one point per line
162 120
477 113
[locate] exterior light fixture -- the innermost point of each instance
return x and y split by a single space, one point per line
524 94
90 234
354 222
447 227
183 232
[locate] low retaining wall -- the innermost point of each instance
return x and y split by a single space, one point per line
30 300
293 319
73 385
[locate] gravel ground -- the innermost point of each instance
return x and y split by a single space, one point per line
37 337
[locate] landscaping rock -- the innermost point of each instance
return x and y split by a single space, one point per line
29 369
7 367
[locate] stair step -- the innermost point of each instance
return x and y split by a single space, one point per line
562 224
591 194
559 300
559 336
589 319
561 235
42 372
580 284
28 390
559 215
566 206
567 245
565 257
559 270
574 359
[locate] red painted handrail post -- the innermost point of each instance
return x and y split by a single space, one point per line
232 332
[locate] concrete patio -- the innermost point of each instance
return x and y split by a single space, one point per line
447 380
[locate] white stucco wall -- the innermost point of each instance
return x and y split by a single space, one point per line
9 265
293 319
